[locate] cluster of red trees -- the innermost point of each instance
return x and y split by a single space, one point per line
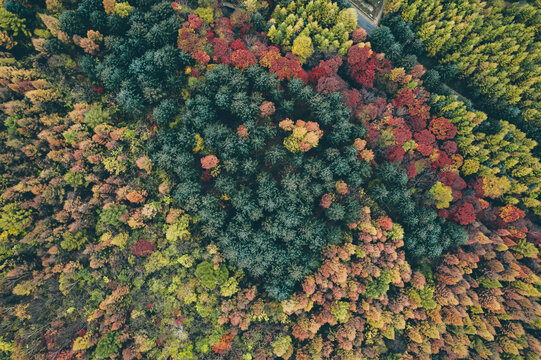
223 43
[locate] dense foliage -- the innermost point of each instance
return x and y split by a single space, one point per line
504 157
141 65
492 46
256 180
319 24
258 176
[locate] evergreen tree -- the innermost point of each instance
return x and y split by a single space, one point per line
257 192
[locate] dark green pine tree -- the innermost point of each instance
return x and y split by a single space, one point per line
261 202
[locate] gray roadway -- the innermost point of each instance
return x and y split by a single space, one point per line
365 23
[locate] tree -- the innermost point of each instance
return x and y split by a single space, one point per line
139 66
271 222
441 194
322 21
165 112
302 47
425 234
362 65
431 80
381 39
72 23
468 41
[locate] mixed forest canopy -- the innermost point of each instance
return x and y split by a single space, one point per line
254 180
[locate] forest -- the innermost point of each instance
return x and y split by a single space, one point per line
265 179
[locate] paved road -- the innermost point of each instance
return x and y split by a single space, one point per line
365 23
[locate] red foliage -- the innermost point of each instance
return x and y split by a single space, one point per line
385 222
373 136
395 153
241 59
210 35
206 176
362 65
317 73
442 128
286 67
223 344
194 21
326 201
419 115
351 98
478 187
424 149
143 248
209 161
412 171
402 135
450 147
510 213
180 320
442 160
325 68
425 137
245 29
268 55
224 29
222 52
396 121
189 41
238 45
303 75
201 57
417 71
331 84
405 97
452 179
465 214
358 35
